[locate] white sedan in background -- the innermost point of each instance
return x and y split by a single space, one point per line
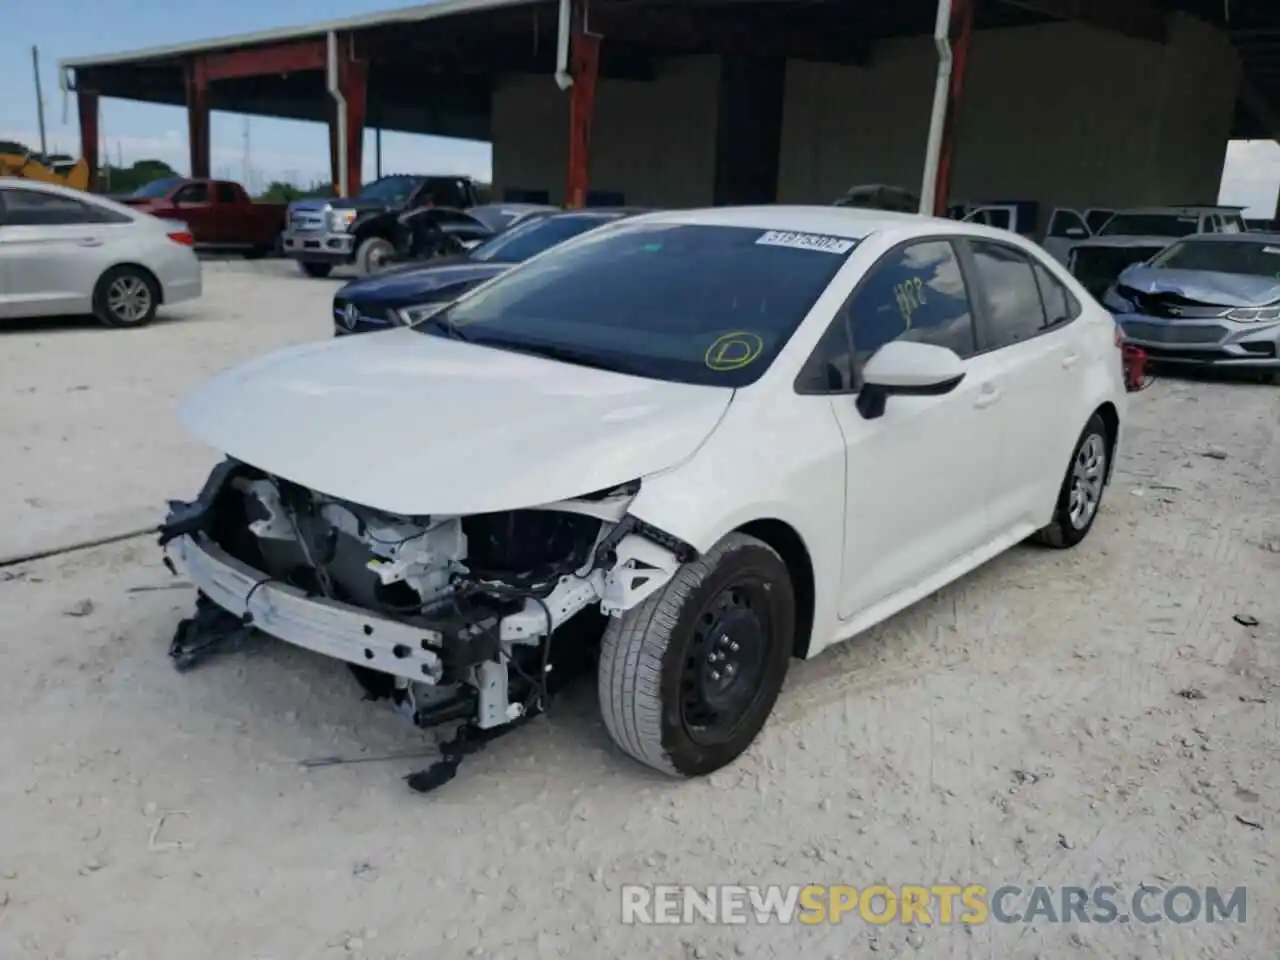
64 252
740 434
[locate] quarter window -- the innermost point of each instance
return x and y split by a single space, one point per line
1059 305
226 193
1011 294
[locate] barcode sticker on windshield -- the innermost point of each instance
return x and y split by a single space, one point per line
806 241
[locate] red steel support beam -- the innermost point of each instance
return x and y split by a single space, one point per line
198 117
87 107
961 35
584 67
353 76
265 61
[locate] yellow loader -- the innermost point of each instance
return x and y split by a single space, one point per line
74 174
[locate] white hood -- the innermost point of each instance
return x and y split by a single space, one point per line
415 424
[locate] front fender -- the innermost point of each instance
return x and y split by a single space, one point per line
777 459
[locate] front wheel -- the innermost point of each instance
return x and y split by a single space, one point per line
373 256
1081 493
688 678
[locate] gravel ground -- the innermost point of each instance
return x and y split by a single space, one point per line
1094 716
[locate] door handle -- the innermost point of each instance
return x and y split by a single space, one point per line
1070 360
89 242
988 396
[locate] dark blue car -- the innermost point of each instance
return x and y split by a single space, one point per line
391 299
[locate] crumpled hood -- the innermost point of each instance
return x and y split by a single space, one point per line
407 286
416 424
1226 289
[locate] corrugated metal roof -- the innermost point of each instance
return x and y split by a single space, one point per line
422 11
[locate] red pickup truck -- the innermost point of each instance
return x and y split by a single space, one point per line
220 214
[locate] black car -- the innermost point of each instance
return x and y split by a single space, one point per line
390 298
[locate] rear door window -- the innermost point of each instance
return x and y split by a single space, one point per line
1012 296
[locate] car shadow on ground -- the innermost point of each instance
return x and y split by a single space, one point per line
79 323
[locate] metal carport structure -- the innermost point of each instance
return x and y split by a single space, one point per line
432 68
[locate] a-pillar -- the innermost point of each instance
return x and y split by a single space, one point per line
198 117
961 36
87 107
353 85
584 67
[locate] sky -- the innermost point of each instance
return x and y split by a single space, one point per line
283 149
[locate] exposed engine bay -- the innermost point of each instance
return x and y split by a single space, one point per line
478 619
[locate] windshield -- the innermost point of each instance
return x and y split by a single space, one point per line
685 302
156 188
390 189
524 240
1151 225
1249 258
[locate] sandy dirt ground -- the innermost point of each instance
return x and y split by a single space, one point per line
1090 717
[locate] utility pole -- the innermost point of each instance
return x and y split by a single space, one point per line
245 178
35 67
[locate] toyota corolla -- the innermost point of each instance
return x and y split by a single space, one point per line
683 449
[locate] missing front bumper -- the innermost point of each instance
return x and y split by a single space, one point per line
324 626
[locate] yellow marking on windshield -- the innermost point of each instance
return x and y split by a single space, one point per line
733 351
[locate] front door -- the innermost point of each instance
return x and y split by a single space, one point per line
193 204
1066 227
918 479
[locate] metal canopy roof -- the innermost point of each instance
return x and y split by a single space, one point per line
435 63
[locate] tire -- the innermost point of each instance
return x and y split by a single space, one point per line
373 255
317 271
256 253
126 297
659 666
1073 518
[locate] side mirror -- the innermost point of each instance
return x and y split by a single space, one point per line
908 369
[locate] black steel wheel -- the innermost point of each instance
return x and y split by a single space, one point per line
688 678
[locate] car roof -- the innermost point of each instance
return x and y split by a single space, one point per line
1250 236
1182 210
853 223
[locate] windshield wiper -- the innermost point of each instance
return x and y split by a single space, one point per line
449 329
579 358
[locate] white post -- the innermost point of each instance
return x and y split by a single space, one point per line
938 117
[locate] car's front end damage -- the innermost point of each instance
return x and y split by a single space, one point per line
451 618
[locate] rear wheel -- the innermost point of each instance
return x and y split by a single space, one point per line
317 271
1081 493
688 678
126 297
373 256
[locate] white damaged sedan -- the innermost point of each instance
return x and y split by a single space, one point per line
680 450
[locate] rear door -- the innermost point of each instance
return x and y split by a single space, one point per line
1066 227
1026 330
